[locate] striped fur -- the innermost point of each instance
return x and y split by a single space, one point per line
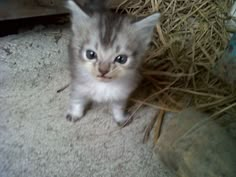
108 35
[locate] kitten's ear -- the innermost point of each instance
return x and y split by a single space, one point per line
144 28
78 15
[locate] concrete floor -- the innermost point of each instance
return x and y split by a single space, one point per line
35 138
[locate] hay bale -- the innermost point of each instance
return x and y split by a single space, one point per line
178 67
193 145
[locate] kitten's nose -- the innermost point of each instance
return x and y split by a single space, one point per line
104 68
103 71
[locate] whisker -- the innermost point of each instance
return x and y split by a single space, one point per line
112 71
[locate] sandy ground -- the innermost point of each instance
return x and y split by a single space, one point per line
35 138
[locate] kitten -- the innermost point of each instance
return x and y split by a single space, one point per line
105 51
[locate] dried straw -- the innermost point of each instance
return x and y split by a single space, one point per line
178 67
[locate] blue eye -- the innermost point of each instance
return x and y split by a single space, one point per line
122 59
91 54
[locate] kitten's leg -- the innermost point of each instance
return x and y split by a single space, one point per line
118 110
76 108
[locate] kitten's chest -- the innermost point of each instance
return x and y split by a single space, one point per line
106 92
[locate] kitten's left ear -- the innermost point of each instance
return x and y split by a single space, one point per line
145 27
78 15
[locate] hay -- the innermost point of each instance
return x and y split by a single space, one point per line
177 68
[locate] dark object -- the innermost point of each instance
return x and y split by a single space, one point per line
63 88
225 67
193 145
16 9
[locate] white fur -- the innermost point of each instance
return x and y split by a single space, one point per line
116 92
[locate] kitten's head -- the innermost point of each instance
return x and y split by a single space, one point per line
109 46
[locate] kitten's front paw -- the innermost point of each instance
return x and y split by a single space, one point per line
75 112
123 121
74 117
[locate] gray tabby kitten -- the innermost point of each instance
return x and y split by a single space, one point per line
105 53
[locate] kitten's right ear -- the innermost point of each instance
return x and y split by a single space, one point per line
78 15
144 28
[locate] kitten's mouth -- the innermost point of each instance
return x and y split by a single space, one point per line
104 78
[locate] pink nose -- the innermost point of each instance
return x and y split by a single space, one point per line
103 71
